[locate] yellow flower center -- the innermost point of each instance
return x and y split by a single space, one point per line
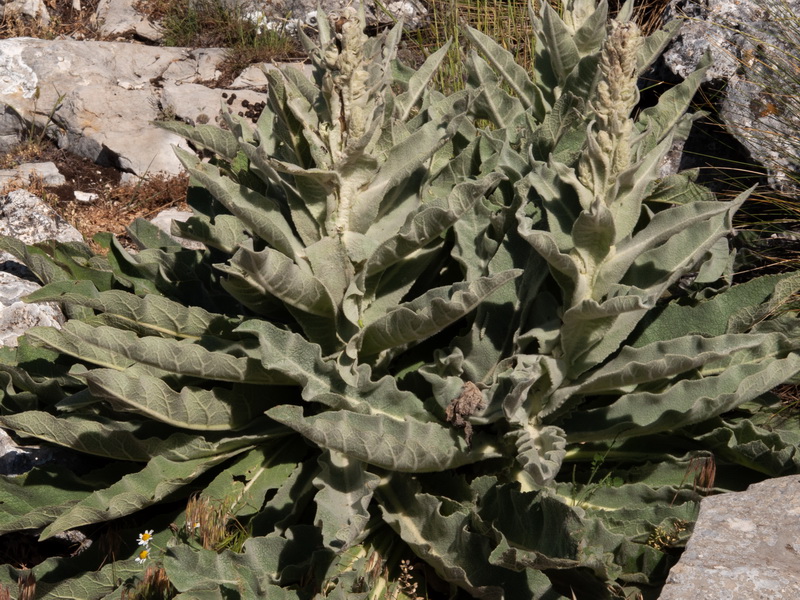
143 554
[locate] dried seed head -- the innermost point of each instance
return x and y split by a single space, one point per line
27 587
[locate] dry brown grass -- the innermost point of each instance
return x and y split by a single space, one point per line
64 21
116 206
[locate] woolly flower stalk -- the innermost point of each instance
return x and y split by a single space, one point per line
608 151
352 111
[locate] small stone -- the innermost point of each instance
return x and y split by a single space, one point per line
85 196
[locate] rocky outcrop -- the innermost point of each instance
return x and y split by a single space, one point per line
97 99
100 99
754 47
34 9
45 172
28 219
120 18
291 15
745 546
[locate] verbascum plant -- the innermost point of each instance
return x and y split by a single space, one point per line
401 330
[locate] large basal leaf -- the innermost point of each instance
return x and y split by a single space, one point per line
118 440
512 74
665 360
419 82
400 445
156 481
735 310
261 215
255 474
60 578
429 222
217 409
400 163
540 450
429 314
150 315
225 233
539 531
110 347
670 239
492 103
272 273
687 401
561 47
445 535
321 380
772 449
657 120
592 331
36 498
218 140
253 574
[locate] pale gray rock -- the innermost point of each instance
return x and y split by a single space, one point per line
745 546
742 36
16 316
120 17
291 15
715 26
254 76
195 103
35 9
164 220
98 99
27 218
26 173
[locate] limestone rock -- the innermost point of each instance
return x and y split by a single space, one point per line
291 15
35 9
745 546
28 219
195 103
164 219
98 99
26 173
254 76
120 17
16 316
744 37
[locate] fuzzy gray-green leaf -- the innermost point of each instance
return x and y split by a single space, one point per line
345 492
272 273
159 478
192 407
432 312
99 436
688 401
391 443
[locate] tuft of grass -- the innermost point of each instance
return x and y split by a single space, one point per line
64 21
154 586
504 20
214 526
217 24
